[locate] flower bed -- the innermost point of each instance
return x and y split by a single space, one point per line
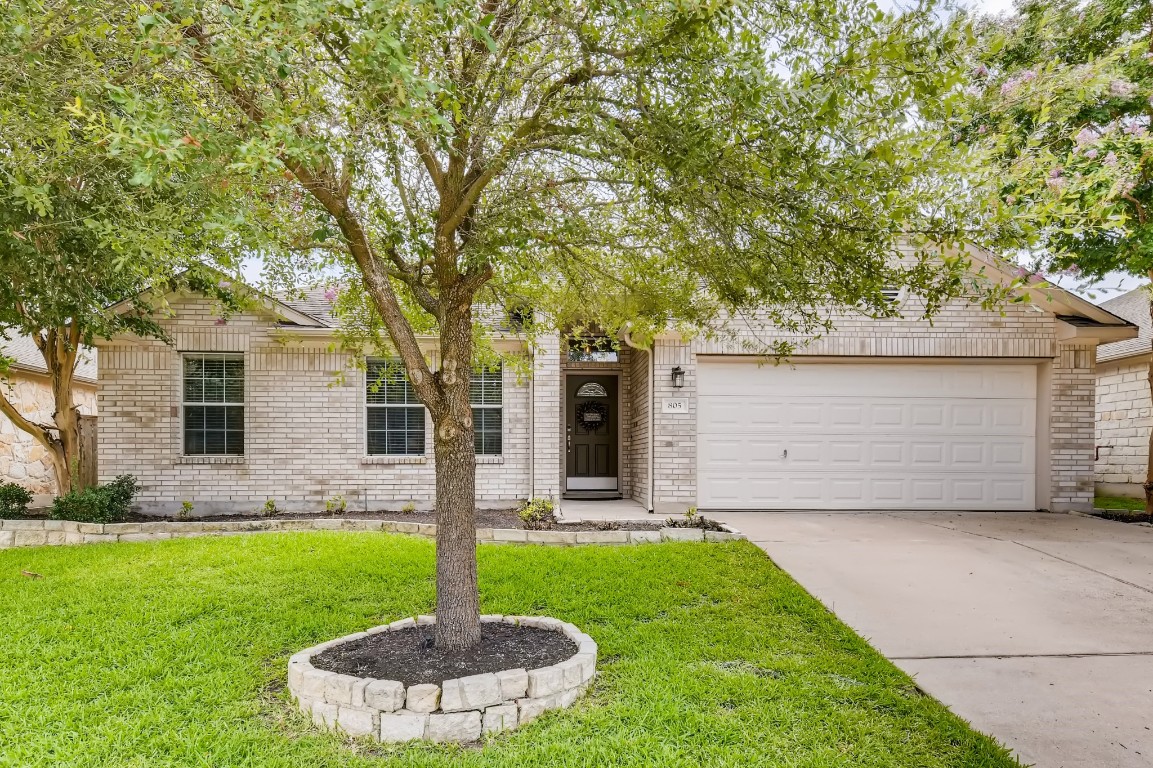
456 710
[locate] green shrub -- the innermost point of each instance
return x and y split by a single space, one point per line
103 504
538 515
14 501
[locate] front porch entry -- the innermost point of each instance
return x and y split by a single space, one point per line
592 436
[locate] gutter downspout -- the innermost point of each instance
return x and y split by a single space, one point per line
626 336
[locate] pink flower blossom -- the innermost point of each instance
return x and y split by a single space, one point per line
1056 172
1011 200
1091 154
330 295
1122 89
983 130
1027 76
1057 184
1136 129
221 321
981 71
1110 160
1085 137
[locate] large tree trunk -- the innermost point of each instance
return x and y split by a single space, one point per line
457 600
61 438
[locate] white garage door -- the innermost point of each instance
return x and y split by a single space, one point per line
865 436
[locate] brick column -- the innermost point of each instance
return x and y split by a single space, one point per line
546 418
1071 427
675 434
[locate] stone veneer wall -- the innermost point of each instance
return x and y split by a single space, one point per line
40 532
1122 426
304 421
22 459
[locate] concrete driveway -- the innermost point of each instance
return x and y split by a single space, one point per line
1036 628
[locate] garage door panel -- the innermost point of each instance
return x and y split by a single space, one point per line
800 415
723 377
866 436
751 453
833 491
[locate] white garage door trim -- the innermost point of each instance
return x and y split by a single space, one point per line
866 435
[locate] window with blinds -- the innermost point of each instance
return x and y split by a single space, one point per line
486 394
395 418
213 405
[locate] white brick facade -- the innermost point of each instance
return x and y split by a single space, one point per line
304 427
305 406
1123 423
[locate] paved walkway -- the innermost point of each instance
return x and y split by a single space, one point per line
1036 628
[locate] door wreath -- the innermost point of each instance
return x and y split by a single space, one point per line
592 415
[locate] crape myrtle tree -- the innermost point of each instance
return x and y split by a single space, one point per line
1062 99
79 228
653 164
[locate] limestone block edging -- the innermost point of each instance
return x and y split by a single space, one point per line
460 710
37 533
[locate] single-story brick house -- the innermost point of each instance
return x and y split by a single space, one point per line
1123 417
22 459
975 410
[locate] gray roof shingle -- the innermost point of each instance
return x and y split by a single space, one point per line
1134 307
27 356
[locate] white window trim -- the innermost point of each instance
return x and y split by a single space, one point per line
390 458
211 458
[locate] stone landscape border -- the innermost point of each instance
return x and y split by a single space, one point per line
37 533
460 710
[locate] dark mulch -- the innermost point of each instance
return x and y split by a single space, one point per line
1123 515
410 657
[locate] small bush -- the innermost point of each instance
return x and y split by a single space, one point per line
607 525
185 511
538 515
120 493
693 519
108 503
408 508
269 509
336 505
14 501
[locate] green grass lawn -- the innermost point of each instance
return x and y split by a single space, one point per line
174 654
1119 502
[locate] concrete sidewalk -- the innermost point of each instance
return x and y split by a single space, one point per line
1036 628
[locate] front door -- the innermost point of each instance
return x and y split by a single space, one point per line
591 433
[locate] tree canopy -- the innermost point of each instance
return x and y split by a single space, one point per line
1064 95
80 228
653 164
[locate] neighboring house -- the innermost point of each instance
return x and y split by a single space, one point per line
1123 417
22 459
974 410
